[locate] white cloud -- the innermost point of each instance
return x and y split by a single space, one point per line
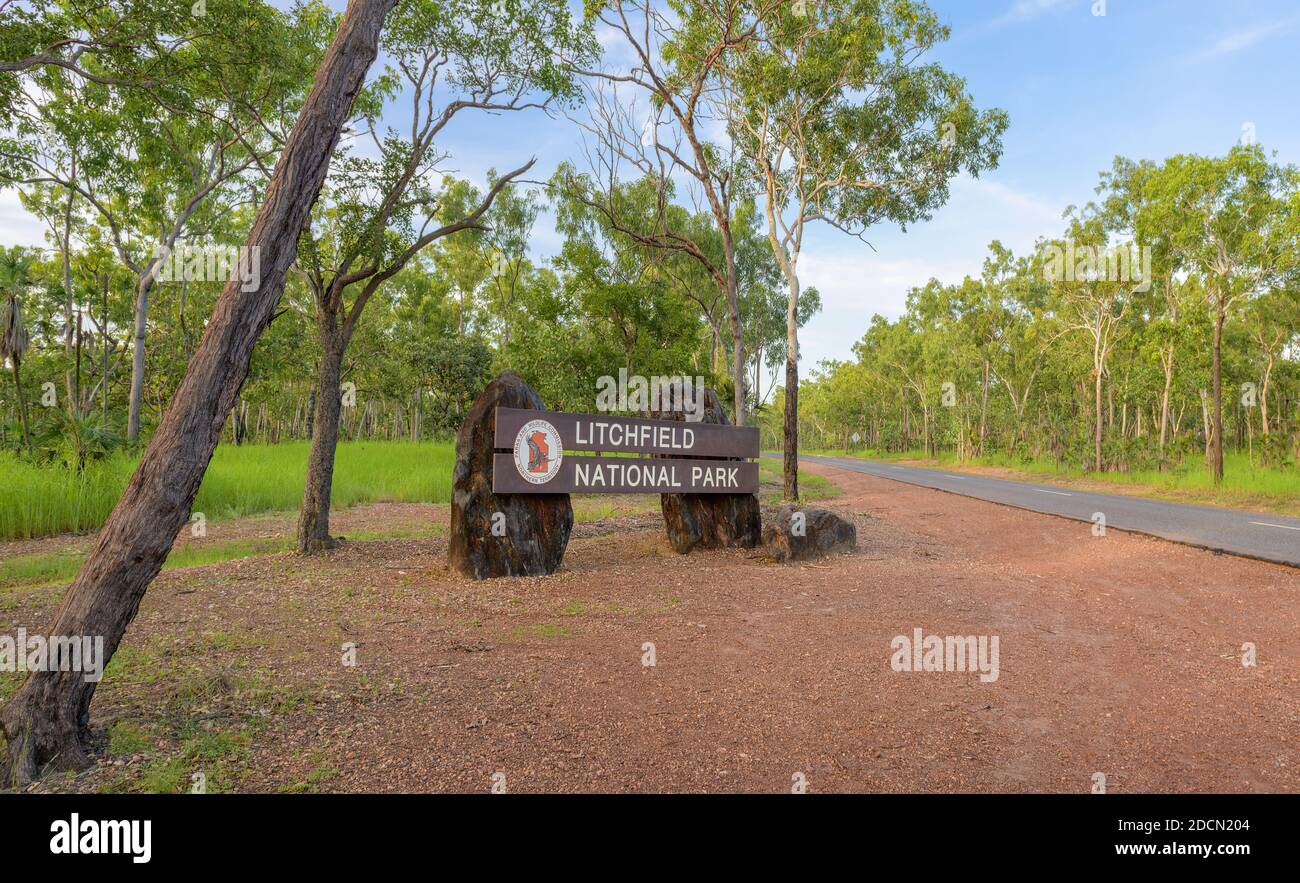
1023 10
857 284
1237 41
610 38
1033 208
1019 12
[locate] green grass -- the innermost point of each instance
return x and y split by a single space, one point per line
37 570
541 630
252 479
48 500
127 738
811 487
1244 485
573 608
593 510
248 480
218 755
312 782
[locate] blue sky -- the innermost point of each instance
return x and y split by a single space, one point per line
1147 79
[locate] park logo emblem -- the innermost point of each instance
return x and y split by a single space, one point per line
538 451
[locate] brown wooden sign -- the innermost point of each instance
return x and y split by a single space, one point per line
540 458
632 435
628 475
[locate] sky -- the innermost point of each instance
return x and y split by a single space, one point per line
1146 79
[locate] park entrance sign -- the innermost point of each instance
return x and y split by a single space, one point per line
517 465
686 458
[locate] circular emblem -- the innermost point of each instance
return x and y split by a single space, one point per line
538 451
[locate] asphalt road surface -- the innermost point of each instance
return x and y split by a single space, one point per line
1249 534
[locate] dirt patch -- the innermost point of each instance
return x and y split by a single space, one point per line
1118 655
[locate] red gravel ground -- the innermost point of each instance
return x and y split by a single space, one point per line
1119 655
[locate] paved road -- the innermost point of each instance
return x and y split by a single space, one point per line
1250 534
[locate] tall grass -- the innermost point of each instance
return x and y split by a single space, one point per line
1239 474
43 500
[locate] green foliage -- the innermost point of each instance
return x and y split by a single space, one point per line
75 441
1019 362
457 369
859 127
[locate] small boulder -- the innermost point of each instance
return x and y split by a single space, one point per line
707 521
819 532
537 526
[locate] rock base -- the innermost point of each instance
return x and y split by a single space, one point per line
819 533
532 533
709 521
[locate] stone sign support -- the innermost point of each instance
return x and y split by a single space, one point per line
517 463
501 534
708 521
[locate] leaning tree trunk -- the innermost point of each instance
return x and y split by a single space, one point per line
48 718
314 518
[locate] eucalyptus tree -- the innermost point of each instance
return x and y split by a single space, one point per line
763 304
762 308
628 290
842 398
912 354
556 345
1019 333
1105 359
492 56
108 42
1233 221
841 121
462 259
56 210
1273 322
150 158
1127 200
104 287
967 327
667 140
1088 303
46 722
510 224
